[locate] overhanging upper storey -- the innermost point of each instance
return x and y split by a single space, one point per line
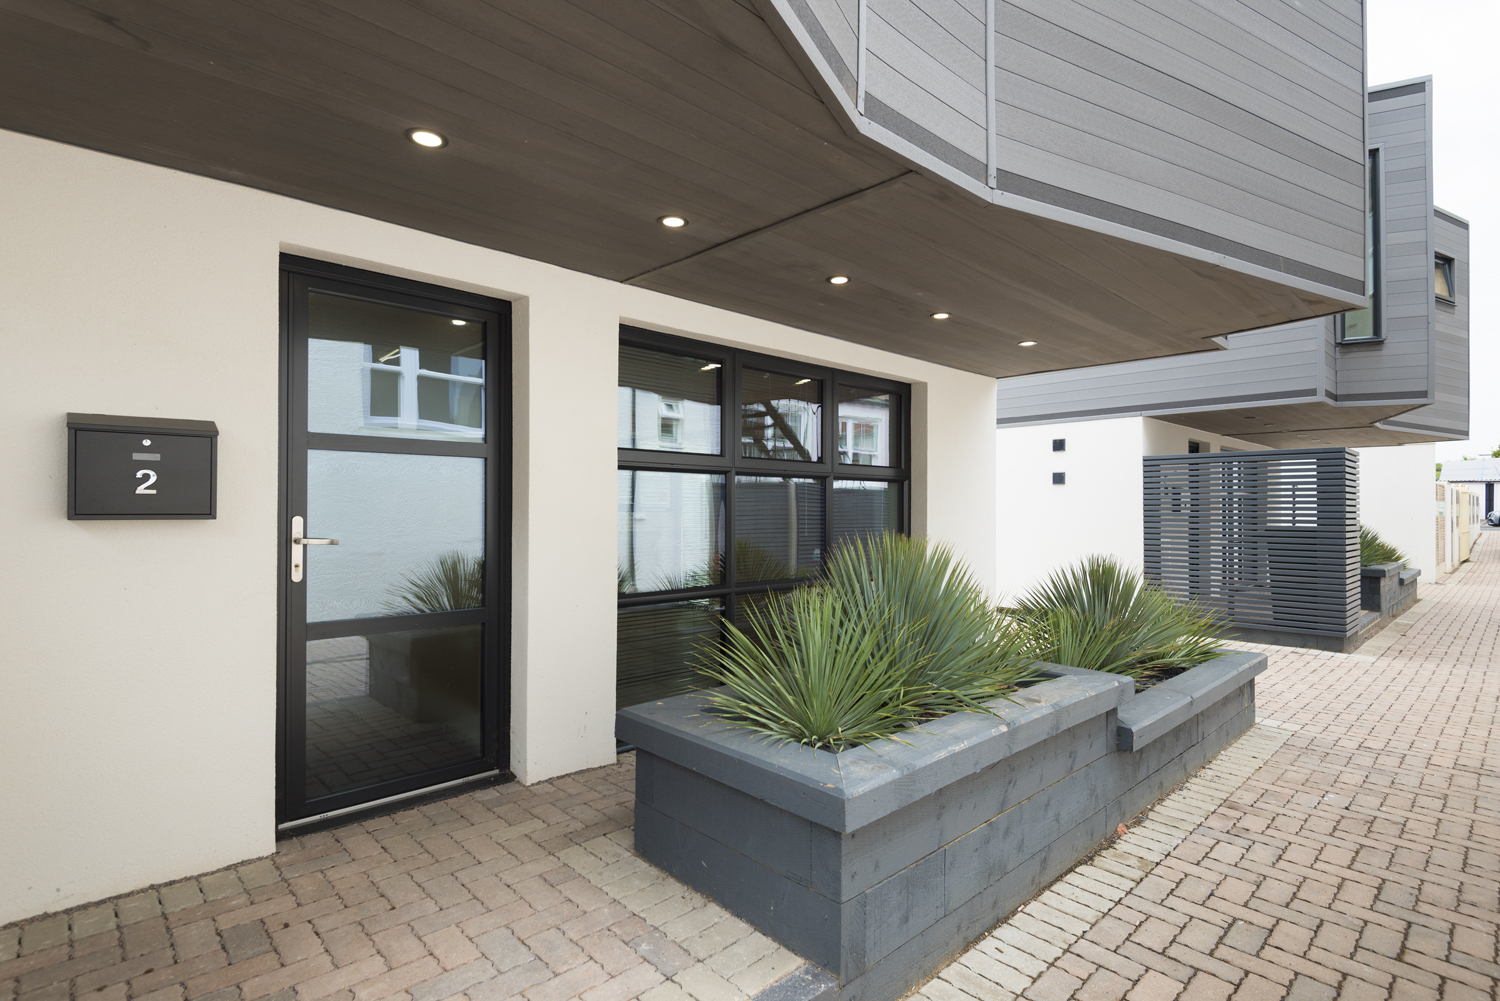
1112 180
1395 372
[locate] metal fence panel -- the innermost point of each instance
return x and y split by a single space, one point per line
1270 540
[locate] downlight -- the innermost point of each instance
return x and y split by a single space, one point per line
672 221
427 137
941 316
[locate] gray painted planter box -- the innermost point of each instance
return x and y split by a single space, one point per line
1387 588
882 863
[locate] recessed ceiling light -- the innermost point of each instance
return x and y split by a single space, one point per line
709 367
426 137
672 221
1026 344
940 316
839 280
801 382
459 323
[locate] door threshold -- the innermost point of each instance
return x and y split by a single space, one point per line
375 805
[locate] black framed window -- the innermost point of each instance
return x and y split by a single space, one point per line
1442 278
1367 324
738 473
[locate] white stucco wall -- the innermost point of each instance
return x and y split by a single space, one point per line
137 723
1396 498
1042 527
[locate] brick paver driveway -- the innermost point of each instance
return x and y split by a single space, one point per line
1361 860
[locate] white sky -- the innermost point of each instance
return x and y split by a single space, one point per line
1455 43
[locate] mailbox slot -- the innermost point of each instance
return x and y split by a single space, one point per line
141 467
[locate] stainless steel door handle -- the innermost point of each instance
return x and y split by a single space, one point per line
298 542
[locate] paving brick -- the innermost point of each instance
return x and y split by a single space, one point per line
396 980
1054 985
246 941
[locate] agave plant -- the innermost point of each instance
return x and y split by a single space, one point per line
452 581
1373 550
895 633
1101 616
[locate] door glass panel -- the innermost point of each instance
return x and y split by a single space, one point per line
778 532
658 648
862 509
388 705
671 533
667 402
781 416
410 531
377 369
865 426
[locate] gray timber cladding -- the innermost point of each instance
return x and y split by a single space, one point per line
1268 540
1237 128
1400 366
1277 385
1448 416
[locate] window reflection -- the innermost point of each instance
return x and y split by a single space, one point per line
384 370
865 426
671 532
778 531
781 416
667 402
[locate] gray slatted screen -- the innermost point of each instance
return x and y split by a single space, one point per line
1270 540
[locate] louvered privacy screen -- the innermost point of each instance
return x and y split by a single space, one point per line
1268 539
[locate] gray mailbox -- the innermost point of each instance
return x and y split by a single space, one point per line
141 467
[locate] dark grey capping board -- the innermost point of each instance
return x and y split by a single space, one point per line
145 425
851 789
1158 710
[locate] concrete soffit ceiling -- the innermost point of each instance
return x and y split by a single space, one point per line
574 125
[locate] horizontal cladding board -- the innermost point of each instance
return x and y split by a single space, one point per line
1019 29
942 28
1132 31
972 163
840 22
1140 191
1338 34
1283 185
1197 118
1237 26
957 90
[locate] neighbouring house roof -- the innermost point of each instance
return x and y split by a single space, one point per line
1473 471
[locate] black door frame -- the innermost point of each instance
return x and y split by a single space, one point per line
298 275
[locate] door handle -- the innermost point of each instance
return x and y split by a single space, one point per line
298 542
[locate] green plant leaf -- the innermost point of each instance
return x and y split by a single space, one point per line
1100 616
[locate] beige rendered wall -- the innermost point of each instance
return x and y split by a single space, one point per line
1396 499
137 723
1042 527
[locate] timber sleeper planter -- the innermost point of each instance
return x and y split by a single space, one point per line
880 863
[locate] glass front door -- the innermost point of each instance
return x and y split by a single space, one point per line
392 582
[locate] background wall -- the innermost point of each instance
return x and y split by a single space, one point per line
1395 499
1042 527
137 724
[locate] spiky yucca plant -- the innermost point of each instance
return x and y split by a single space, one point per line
450 582
1101 616
1373 550
896 632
